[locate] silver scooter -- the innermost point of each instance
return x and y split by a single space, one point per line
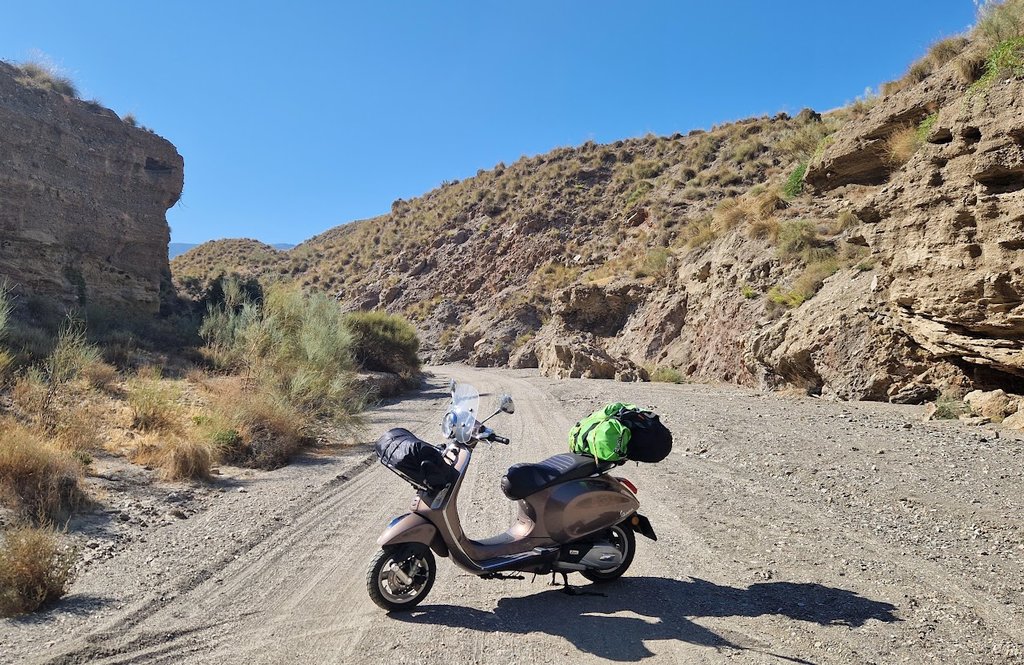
572 517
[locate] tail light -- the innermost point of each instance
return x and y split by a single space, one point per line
630 486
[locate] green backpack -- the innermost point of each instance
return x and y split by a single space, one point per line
602 435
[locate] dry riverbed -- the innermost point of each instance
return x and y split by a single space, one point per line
790 530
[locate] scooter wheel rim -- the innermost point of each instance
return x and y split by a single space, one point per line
390 584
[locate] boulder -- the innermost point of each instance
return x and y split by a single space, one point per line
1015 422
993 404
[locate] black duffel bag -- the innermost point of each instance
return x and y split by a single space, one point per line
415 460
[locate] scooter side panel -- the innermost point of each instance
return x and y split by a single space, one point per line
578 508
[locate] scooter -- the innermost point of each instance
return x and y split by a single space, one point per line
572 515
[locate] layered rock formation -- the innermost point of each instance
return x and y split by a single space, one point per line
83 198
947 228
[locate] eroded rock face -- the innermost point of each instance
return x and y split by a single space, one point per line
949 227
84 197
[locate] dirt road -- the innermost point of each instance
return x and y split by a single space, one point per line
791 530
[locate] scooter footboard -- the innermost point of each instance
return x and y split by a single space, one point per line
413 528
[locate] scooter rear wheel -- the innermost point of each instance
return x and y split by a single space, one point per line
399 577
624 540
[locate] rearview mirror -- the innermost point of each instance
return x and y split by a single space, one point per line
451 387
506 405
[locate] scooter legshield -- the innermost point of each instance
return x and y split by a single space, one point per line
413 528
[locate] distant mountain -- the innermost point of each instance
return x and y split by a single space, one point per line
178 248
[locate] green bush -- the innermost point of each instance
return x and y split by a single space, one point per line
805 285
1006 59
667 375
384 342
297 346
795 237
950 407
795 182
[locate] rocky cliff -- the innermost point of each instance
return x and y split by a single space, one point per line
83 197
870 253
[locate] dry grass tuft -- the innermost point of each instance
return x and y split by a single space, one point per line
946 50
970 66
271 430
900 146
805 285
46 77
100 375
36 479
34 570
77 429
154 403
31 395
764 228
728 214
177 457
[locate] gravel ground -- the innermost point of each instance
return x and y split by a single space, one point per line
790 530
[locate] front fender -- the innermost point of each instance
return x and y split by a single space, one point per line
413 528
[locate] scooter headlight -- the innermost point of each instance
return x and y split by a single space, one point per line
465 426
448 425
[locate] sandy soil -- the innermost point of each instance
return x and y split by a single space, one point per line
790 530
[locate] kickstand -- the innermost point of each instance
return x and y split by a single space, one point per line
571 590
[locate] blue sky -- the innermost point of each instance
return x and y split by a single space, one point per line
296 117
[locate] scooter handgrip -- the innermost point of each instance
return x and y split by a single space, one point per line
500 439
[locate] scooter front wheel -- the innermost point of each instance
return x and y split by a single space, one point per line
401 576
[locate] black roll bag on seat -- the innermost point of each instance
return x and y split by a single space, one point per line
418 462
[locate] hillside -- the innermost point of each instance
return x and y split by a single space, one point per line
869 253
176 249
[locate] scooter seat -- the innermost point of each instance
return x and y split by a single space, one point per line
522 480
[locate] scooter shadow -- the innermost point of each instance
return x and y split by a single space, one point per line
662 608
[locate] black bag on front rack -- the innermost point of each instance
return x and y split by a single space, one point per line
414 459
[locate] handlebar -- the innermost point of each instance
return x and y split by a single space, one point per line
487 434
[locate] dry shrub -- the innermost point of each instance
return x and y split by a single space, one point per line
728 214
46 77
100 375
767 203
36 479
273 430
31 395
154 403
176 457
34 570
945 50
77 429
764 228
258 428
6 367
970 66
999 21
666 374
900 146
